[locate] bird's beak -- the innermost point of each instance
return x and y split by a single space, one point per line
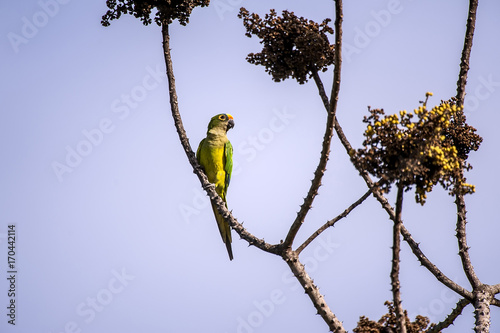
230 123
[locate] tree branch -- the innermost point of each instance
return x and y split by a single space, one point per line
396 249
460 202
207 186
390 211
327 138
482 301
483 294
440 276
495 289
321 90
292 259
457 311
333 221
334 96
463 249
466 51
315 184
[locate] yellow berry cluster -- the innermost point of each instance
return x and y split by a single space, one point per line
414 148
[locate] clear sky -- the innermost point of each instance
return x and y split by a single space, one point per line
114 233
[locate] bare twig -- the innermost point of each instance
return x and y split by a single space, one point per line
327 138
457 311
333 221
207 186
396 249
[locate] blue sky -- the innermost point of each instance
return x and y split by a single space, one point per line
114 233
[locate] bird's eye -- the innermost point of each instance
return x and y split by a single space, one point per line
222 117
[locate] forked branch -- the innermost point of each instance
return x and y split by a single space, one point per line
440 276
327 138
298 269
483 296
207 186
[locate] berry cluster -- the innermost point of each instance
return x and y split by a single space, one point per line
292 46
414 148
166 11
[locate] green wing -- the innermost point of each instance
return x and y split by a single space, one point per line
223 225
198 150
228 164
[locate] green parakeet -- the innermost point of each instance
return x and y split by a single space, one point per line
215 155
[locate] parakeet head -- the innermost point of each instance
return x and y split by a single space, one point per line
220 122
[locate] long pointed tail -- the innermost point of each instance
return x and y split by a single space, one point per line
225 231
229 249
